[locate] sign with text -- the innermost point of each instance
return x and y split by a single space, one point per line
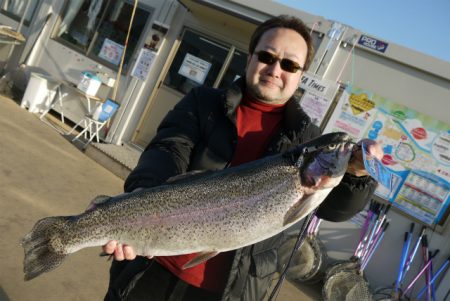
194 68
373 43
319 86
143 64
315 106
318 96
416 150
111 51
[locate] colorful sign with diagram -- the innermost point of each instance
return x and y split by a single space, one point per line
416 150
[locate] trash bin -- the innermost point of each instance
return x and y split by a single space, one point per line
39 93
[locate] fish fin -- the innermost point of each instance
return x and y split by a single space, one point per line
295 213
100 199
305 205
199 258
40 254
183 176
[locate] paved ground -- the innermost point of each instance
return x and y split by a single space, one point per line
43 174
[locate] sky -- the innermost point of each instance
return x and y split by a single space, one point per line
420 25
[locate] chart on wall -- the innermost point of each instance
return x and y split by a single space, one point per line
416 150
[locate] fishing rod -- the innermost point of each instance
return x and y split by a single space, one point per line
365 233
375 246
312 226
431 284
379 224
406 244
426 256
435 276
414 251
366 226
298 243
420 272
372 232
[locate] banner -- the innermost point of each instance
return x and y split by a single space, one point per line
416 149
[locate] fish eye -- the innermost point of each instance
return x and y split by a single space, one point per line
331 146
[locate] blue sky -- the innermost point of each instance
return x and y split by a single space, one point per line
420 25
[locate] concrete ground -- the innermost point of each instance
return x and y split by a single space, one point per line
43 174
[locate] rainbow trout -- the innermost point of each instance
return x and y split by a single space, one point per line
207 213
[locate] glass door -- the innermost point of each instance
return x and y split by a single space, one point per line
200 60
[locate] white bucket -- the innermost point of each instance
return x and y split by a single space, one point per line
39 93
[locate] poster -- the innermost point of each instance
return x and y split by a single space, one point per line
111 52
143 64
416 149
318 96
194 68
315 106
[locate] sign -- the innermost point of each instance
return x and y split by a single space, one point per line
156 36
319 86
111 52
143 64
416 150
373 43
315 106
318 96
194 68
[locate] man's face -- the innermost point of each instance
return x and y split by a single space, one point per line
270 83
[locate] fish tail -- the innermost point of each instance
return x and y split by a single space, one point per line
41 246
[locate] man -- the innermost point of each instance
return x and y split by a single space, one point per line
213 129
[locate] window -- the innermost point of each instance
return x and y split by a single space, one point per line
15 9
201 60
98 29
235 70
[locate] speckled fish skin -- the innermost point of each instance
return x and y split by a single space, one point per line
216 212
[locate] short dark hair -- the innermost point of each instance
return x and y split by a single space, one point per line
284 21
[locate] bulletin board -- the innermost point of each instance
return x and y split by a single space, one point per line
416 149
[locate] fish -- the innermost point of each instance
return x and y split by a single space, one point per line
205 213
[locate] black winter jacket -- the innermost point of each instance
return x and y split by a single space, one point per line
200 134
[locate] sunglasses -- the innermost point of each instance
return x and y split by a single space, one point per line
268 58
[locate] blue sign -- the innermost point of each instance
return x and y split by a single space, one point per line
372 43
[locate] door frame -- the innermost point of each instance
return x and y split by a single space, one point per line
160 81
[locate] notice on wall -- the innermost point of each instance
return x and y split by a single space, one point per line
111 52
416 149
318 96
315 106
194 68
143 64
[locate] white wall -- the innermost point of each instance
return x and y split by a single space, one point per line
421 83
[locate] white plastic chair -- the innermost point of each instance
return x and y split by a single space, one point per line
93 123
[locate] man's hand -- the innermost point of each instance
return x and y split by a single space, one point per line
356 163
120 251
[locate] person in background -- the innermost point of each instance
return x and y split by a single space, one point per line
212 129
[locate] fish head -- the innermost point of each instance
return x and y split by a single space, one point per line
326 164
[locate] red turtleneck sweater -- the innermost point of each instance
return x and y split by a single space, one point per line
256 124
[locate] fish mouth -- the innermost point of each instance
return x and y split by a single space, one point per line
309 181
313 184
327 165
